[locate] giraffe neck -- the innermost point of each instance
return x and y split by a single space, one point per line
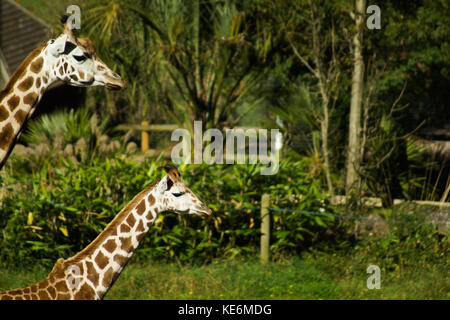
91 273
20 97
105 258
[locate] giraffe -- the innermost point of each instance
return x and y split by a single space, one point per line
89 274
66 59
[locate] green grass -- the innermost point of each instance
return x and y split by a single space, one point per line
318 276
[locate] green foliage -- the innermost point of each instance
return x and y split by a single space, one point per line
413 240
77 135
191 59
59 211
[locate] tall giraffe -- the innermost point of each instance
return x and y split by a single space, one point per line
65 59
92 272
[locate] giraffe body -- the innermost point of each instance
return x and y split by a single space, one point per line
91 273
67 59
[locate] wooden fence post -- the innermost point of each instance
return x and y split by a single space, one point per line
144 138
265 228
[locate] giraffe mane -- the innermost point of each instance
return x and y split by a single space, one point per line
18 74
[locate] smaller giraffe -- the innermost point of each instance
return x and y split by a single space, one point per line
66 59
90 274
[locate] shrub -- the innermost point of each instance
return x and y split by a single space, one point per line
59 211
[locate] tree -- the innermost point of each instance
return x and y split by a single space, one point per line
320 58
353 182
202 57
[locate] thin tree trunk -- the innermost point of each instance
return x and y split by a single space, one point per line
324 92
324 135
354 138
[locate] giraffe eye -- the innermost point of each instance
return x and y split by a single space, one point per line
178 194
80 58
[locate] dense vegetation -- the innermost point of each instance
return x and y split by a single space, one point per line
266 63
60 210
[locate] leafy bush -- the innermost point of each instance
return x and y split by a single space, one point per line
413 240
76 135
60 210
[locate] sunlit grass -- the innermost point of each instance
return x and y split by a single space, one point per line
307 278
324 276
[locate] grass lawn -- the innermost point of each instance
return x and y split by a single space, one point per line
324 276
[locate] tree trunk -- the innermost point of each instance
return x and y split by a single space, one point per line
354 137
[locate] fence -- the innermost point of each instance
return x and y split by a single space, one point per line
145 128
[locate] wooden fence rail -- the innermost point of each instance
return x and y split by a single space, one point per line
144 128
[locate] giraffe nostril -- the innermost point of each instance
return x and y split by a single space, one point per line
202 208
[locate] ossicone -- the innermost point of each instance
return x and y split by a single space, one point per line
171 170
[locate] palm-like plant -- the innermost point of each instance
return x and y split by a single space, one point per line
195 59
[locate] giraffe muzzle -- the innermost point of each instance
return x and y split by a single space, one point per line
203 210
115 84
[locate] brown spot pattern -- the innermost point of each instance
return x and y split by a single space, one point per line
13 102
26 84
110 245
124 228
43 284
20 72
92 275
140 227
121 260
151 199
43 295
4 114
61 286
6 136
63 296
140 236
126 243
52 292
140 208
36 65
107 278
149 215
20 116
30 98
85 293
101 260
131 220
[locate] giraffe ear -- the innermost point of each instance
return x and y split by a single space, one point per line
165 184
57 46
171 171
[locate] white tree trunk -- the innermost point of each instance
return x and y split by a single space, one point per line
354 137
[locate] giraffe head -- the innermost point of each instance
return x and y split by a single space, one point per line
75 62
176 196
